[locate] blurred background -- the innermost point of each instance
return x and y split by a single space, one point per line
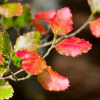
82 71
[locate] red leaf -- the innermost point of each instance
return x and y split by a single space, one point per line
62 21
51 80
73 46
95 27
32 62
39 27
11 9
45 15
1 59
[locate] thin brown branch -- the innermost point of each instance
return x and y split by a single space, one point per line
52 46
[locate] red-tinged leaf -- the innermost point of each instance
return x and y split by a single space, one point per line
95 27
1 59
94 5
51 80
73 46
32 62
62 21
45 15
11 9
29 41
39 27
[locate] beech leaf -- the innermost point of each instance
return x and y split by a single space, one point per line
6 90
25 19
11 9
39 27
73 47
4 44
29 41
95 27
31 62
62 20
51 80
94 5
46 15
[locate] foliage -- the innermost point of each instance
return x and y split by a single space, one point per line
24 53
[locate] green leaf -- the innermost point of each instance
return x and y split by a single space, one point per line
1 42
6 44
25 19
29 41
7 23
17 61
2 68
6 90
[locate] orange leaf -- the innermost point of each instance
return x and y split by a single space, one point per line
95 27
11 9
32 62
51 80
45 15
39 27
62 21
73 46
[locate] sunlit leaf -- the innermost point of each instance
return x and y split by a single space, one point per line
94 5
46 15
32 62
95 27
6 90
17 61
73 47
11 9
51 80
25 19
62 20
29 41
39 27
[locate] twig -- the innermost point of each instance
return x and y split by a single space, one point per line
70 35
45 39
52 46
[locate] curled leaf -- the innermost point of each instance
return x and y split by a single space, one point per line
95 27
45 15
6 90
39 27
29 41
11 9
51 80
62 21
31 62
73 47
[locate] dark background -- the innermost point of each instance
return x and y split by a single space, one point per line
82 71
